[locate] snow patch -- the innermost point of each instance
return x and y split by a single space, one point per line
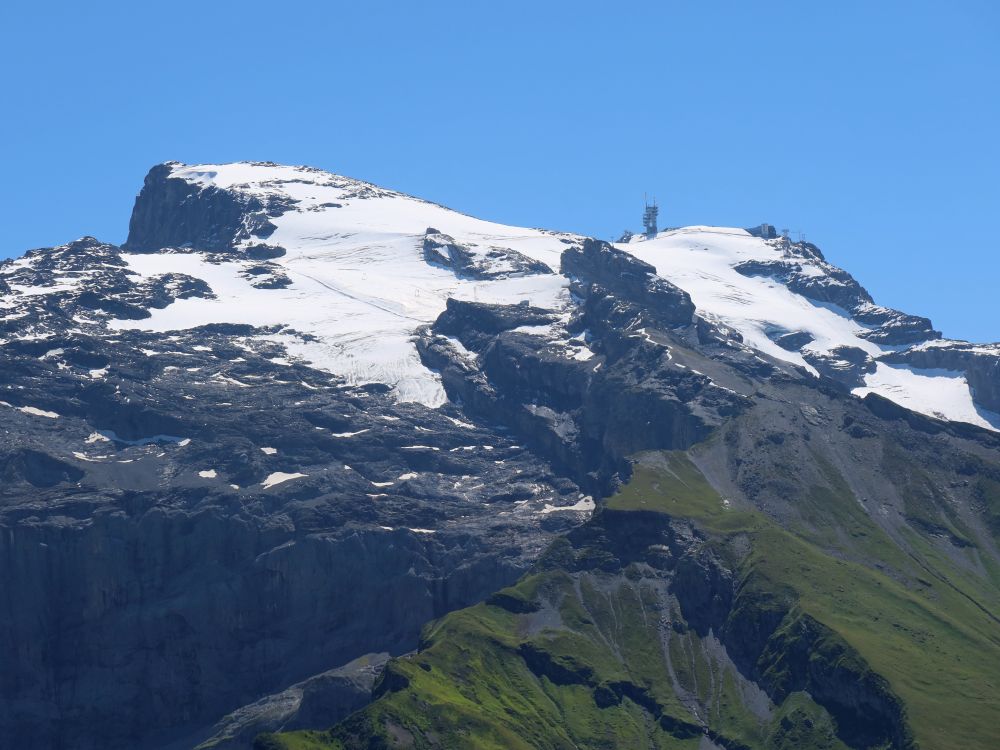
943 394
280 477
584 505
36 412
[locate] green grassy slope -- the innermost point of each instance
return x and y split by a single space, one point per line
939 651
676 618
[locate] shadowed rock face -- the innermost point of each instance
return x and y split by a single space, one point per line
845 364
188 524
146 595
469 321
496 263
586 408
317 701
36 468
598 263
171 212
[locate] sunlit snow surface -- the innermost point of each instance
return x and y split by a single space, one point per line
701 261
360 284
939 393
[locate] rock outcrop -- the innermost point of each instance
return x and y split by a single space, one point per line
329 696
171 212
837 287
491 262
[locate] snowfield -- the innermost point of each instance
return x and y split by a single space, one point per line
701 260
359 286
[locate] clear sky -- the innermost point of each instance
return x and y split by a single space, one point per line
870 126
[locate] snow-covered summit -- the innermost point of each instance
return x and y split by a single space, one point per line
343 274
787 301
349 268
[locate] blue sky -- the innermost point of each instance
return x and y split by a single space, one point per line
871 127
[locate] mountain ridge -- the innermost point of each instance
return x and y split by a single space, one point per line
799 267
297 416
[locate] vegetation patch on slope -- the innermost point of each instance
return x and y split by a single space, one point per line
675 618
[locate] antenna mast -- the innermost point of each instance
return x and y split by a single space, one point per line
649 216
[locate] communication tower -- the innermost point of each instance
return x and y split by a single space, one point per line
649 217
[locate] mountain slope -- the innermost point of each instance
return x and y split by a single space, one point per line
365 256
800 580
350 270
786 300
297 416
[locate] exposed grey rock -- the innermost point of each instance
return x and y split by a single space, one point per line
491 263
845 364
835 286
467 321
318 701
267 276
599 264
794 340
584 414
170 212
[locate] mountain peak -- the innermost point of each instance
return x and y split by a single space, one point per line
348 272
303 410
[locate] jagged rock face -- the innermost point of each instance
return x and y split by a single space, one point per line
171 212
496 263
845 364
838 287
792 340
585 407
469 321
314 702
598 263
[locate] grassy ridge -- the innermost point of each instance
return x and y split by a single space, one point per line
939 650
594 651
